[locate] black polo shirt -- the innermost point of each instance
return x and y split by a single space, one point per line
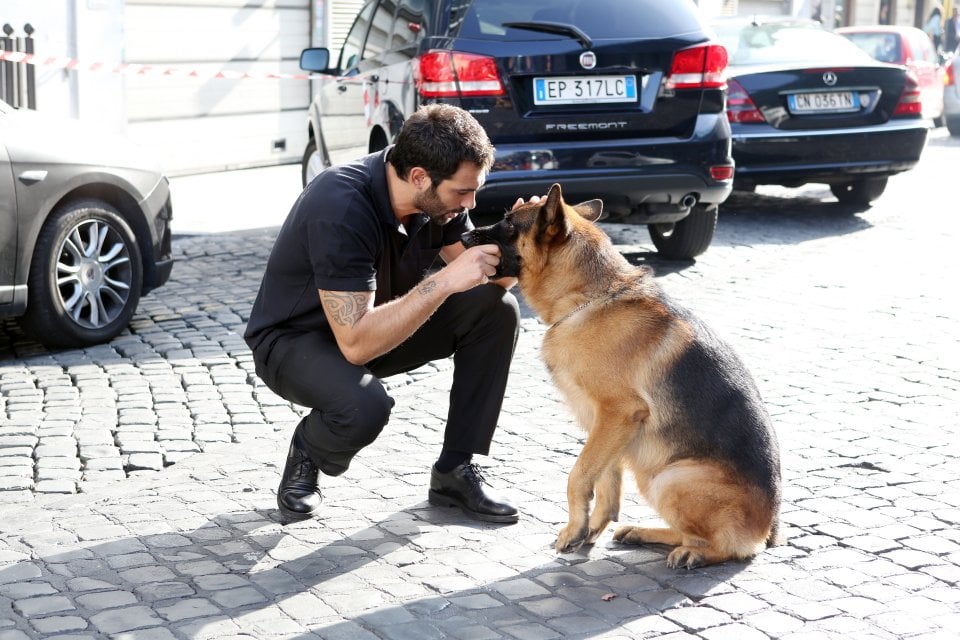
342 235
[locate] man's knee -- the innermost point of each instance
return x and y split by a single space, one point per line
356 420
498 307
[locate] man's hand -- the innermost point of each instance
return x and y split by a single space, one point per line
474 266
533 200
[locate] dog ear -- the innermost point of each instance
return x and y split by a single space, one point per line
590 210
552 207
552 221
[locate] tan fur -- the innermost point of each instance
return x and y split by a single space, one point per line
611 342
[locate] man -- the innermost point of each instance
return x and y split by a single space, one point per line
348 297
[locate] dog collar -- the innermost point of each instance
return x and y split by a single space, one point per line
611 296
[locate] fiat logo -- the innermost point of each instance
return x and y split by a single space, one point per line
588 59
829 78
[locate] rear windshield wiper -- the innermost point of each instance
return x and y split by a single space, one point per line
553 27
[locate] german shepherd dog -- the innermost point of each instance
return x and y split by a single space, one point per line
656 391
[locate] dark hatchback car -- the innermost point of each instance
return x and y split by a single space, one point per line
617 99
84 228
806 105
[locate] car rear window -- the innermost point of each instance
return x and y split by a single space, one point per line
785 44
599 19
885 47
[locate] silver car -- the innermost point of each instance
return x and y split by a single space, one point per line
84 228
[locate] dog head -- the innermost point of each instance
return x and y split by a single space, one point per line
531 229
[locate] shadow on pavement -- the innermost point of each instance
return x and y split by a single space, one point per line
758 218
238 565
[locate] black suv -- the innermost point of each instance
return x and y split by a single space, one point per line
618 99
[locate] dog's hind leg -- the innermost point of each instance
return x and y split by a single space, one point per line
714 515
630 534
690 552
606 507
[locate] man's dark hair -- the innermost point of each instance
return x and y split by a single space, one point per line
438 137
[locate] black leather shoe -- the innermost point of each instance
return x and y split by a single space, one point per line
463 487
299 494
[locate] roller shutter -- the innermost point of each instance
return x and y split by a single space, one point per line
199 122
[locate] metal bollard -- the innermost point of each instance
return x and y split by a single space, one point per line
31 71
7 68
18 80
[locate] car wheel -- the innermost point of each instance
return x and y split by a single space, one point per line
313 162
686 238
85 277
862 191
953 126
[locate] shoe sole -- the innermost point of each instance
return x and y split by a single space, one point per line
441 500
288 515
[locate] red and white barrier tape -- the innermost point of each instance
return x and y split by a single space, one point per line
133 69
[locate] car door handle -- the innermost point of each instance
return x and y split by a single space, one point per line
32 177
341 87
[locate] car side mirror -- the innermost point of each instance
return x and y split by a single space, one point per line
315 59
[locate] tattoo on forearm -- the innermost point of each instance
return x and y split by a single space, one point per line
426 287
345 309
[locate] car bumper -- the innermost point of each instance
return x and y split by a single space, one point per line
645 197
951 102
792 158
647 179
159 209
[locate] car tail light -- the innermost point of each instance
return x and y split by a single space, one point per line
700 67
950 77
446 74
721 172
740 107
909 103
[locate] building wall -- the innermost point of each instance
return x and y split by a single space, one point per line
204 122
56 35
907 13
193 123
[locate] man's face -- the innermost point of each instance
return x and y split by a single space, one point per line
455 195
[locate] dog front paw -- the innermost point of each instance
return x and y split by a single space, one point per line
598 524
571 539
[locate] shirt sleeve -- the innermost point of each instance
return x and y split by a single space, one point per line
343 253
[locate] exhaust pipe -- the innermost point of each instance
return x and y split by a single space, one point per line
657 212
688 201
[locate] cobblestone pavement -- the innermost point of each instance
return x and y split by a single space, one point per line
137 478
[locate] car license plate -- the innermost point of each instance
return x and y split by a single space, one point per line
829 102
584 89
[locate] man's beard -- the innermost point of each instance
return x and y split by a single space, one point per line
430 203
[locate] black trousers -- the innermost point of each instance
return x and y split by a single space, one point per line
350 407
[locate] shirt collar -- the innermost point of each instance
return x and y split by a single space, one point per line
381 195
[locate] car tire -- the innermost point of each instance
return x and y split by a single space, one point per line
953 126
862 191
86 276
313 162
686 238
